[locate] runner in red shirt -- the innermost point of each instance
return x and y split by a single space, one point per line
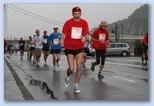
145 40
100 39
145 45
74 32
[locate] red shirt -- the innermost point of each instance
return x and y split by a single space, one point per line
102 36
145 40
74 31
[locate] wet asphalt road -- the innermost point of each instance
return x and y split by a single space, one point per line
125 80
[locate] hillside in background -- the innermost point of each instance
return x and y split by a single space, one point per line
135 24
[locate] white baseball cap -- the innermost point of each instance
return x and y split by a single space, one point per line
55 26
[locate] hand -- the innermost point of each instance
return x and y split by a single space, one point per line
83 39
62 42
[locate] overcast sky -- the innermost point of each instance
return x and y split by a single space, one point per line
20 20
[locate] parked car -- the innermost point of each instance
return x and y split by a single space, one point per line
122 49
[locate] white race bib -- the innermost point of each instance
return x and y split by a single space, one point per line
102 37
56 41
76 32
44 40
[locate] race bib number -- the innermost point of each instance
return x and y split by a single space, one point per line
56 41
44 40
76 32
102 37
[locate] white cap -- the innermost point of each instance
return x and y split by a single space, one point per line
55 26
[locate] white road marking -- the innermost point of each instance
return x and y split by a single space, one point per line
125 79
123 64
126 60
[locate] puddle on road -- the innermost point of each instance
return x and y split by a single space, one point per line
44 87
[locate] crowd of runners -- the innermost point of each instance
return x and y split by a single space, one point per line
75 38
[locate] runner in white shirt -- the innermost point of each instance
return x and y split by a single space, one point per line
38 47
33 48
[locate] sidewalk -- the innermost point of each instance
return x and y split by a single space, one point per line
22 79
11 89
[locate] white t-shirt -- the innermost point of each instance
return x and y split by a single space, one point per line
38 42
33 41
16 46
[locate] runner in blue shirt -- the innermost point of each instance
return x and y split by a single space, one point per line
55 39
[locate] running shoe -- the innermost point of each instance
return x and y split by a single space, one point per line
92 67
100 75
67 82
76 89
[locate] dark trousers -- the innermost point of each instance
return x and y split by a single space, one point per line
100 56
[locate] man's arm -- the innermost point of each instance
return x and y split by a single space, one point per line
62 39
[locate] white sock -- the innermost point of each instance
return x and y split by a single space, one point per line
76 84
68 77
